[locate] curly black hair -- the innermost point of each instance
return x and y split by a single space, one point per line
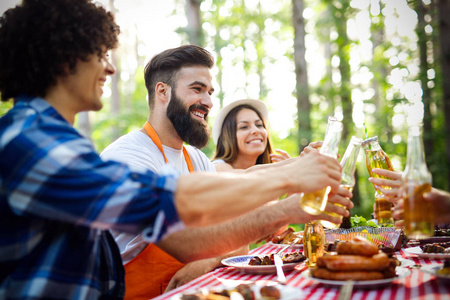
42 40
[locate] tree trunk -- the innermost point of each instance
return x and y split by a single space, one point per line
115 93
194 29
444 29
344 67
302 90
380 74
426 97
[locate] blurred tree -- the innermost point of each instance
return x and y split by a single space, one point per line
444 29
194 26
115 81
423 39
340 12
301 75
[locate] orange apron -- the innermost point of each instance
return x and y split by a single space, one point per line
149 273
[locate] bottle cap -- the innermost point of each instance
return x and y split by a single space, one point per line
369 140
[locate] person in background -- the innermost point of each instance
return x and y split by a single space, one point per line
58 198
179 85
241 136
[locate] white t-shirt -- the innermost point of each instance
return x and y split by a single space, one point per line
218 161
136 148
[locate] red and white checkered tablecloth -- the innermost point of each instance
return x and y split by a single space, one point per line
418 285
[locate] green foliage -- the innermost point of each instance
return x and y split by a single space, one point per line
134 113
5 106
243 31
357 221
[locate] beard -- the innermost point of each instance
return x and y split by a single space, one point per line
191 131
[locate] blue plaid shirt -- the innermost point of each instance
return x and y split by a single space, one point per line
58 199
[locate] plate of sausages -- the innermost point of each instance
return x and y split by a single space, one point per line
358 260
366 284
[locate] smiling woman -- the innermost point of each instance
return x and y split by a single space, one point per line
241 136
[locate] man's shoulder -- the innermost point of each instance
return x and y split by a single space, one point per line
34 120
199 159
133 142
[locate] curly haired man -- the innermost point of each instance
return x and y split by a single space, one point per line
58 198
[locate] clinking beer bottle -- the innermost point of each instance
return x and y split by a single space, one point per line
348 163
377 158
418 214
314 203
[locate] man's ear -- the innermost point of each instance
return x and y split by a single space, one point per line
162 91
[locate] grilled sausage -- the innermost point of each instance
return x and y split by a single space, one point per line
357 246
377 262
346 275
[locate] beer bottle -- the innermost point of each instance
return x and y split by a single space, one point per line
418 214
314 203
348 163
314 241
377 158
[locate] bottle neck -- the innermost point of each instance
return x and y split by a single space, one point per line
374 146
416 167
348 164
415 155
330 145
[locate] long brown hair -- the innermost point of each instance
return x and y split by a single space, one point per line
227 147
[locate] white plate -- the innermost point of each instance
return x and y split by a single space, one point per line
296 246
367 284
432 269
241 263
417 251
434 239
286 292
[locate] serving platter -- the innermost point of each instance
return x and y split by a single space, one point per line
286 292
367 284
417 251
241 263
434 239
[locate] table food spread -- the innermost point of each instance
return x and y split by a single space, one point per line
403 274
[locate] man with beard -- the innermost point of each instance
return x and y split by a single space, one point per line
179 93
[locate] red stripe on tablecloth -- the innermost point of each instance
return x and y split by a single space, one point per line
397 290
417 286
420 287
434 288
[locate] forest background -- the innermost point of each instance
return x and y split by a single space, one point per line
382 63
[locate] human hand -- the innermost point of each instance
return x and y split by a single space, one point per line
338 205
317 171
397 214
394 192
441 203
283 155
189 272
312 147
295 215
197 268
341 197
